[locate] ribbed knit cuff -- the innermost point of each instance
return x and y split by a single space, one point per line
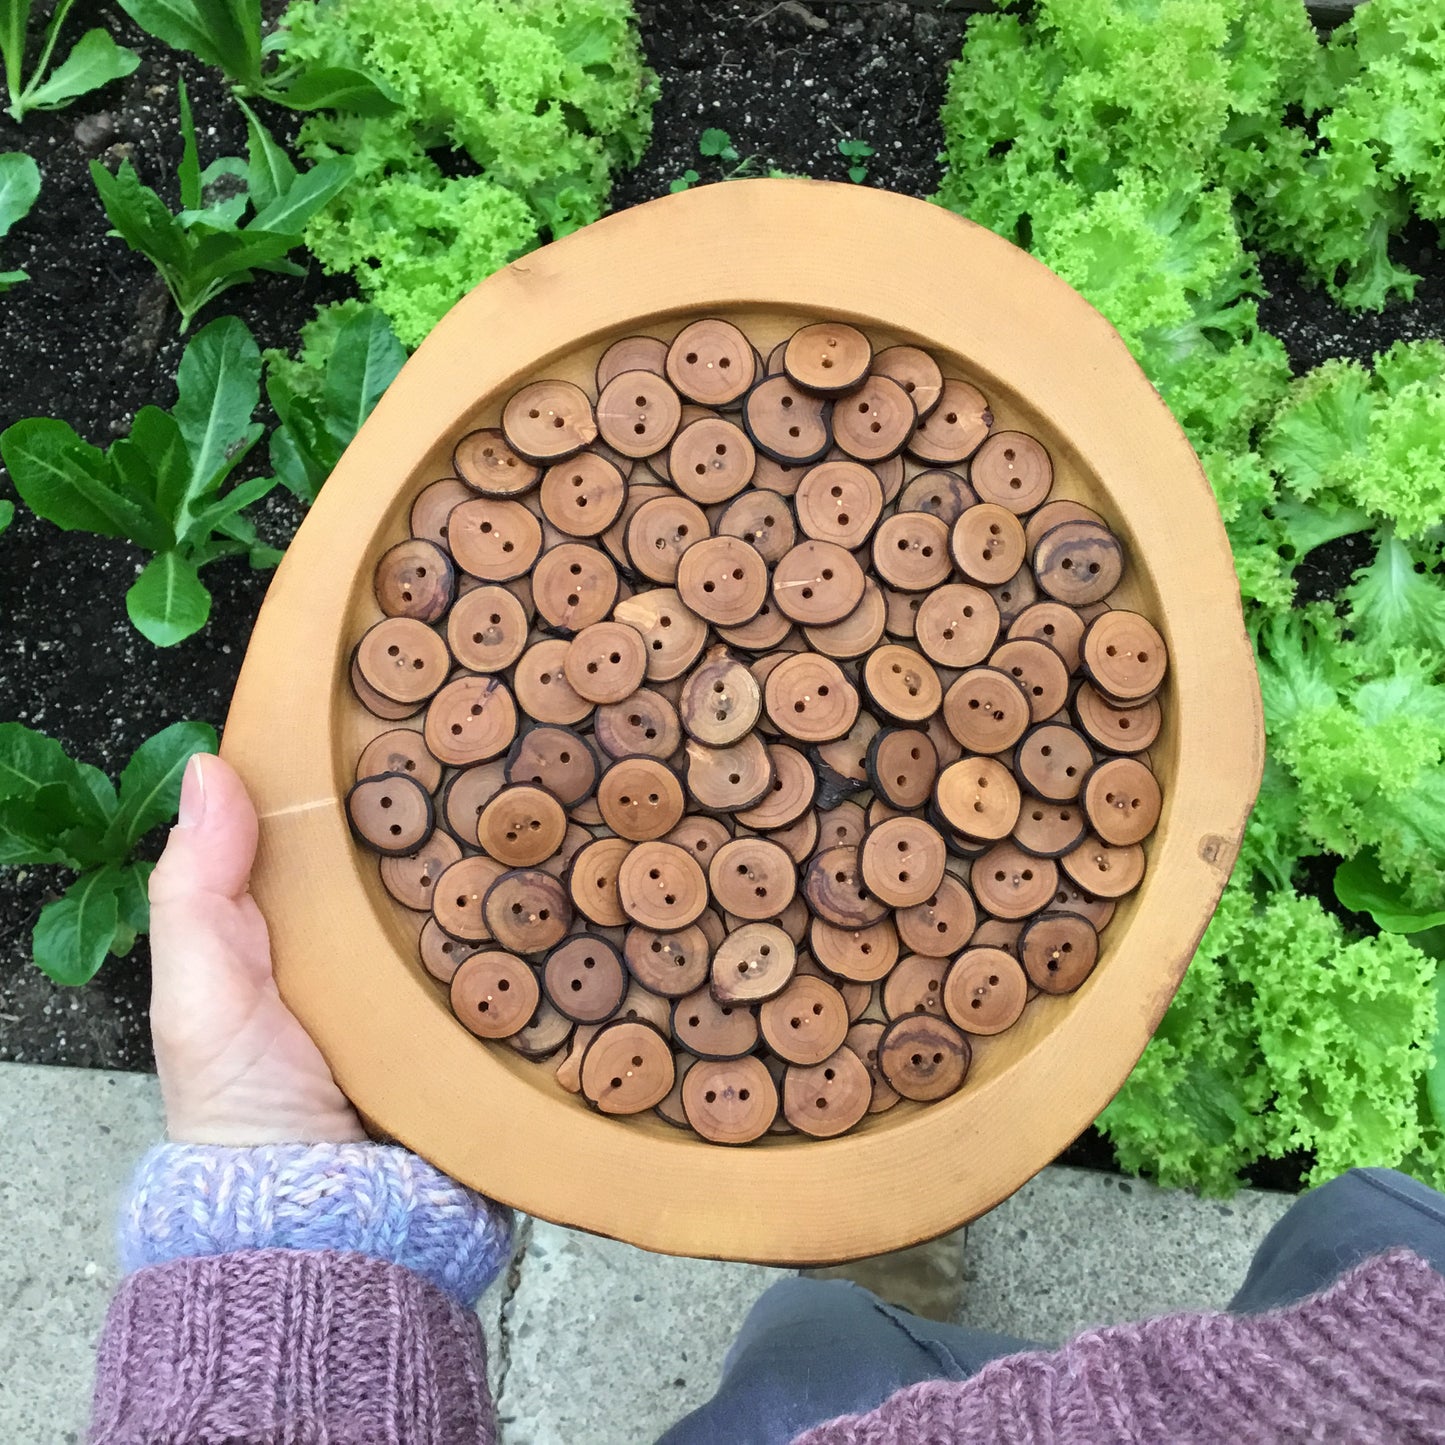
190 1200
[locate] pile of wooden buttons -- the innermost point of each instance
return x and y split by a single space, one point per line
778 741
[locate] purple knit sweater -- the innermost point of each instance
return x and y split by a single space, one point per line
247 1320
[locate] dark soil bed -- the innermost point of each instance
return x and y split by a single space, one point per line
92 337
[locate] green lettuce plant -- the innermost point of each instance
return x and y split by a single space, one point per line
94 60
162 486
19 186
55 810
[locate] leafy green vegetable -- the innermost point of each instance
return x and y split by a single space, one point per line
1363 888
485 158
7 514
228 36
19 186
856 151
348 357
161 486
715 142
202 250
94 60
54 810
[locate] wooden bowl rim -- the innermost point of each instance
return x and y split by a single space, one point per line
804 246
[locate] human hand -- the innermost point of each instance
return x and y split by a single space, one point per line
236 1067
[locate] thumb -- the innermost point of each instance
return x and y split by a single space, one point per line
213 844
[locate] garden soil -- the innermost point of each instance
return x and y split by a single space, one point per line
92 337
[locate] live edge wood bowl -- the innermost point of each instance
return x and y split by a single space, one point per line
769 255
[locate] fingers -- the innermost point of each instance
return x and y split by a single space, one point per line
212 847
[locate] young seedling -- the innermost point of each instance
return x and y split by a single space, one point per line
715 142
19 186
54 810
94 60
688 178
856 151
160 487
203 250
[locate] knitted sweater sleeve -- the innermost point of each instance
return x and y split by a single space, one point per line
298 1293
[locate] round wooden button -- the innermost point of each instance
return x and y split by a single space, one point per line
441 955
1122 798
487 464
858 632
752 878
799 840
458 896
584 978
979 798
644 724
828 357
661 886
593 881
400 750
548 420
987 543
1001 933
522 825
817 583
487 629
763 520
673 632
711 362
1070 898
494 540
806 1022
810 699
1010 883
860 955
954 429
714 1030
1038 670
542 687
942 923
377 704
729 779
839 502
569 1071
915 371
631 353
391 813
543 1034
875 420
573 841
795 785
464 796
767 630
957 625
670 964
583 496
574 586
606 662
1120 729
433 505
863 1040
828 1098
627 1068
1078 562
1047 829
554 758
1013 469
711 460
1051 514
985 991
640 798
403 659
659 532
754 963
527 910
701 836
416 579
471 720
494 994
910 551
723 580
902 684
942 494
638 413
787 423
902 861
1061 627
1052 760
903 765
986 710
1059 951
901 611
1014 596
1123 656
923 1057
833 886
730 1101
915 986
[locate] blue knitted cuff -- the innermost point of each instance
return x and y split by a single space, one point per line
373 1199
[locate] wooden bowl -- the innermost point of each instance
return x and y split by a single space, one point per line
767 254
